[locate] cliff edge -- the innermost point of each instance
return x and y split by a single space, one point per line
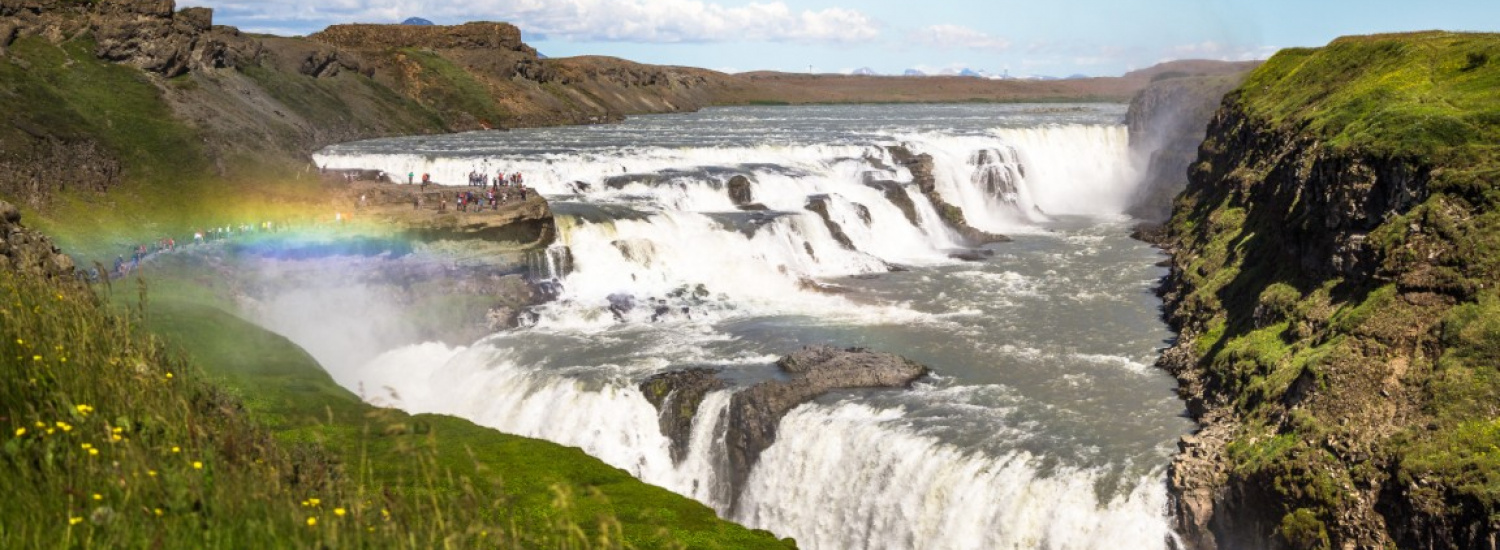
1167 121
1334 272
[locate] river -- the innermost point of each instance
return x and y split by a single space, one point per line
1044 425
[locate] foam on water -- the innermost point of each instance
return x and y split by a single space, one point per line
946 466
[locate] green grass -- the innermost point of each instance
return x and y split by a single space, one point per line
1343 383
113 439
451 90
167 185
1429 95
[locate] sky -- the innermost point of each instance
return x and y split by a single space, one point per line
1018 38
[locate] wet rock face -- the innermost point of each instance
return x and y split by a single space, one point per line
819 205
24 250
739 191
897 195
676 396
921 171
1167 121
754 413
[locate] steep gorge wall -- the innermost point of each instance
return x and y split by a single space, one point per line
1333 281
1167 121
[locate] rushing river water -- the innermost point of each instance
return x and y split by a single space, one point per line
1044 425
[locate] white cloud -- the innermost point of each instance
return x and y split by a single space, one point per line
646 21
959 37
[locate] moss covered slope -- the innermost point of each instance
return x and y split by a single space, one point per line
1336 257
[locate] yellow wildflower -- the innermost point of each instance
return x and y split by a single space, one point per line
64 426
169 376
338 512
93 452
158 512
311 521
74 521
151 473
84 409
98 496
20 432
36 358
176 449
114 437
197 465
86 445
41 424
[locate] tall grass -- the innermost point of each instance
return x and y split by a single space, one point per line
113 441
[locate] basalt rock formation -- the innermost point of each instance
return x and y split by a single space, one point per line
754 413
921 172
1167 121
818 204
1333 279
676 396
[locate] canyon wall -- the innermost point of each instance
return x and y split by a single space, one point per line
1334 282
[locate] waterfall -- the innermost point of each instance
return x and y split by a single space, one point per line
655 253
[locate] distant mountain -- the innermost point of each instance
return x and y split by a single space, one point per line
865 71
1076 76
913 72
417 21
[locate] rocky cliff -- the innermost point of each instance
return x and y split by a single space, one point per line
134 105
1333 281
493 79
1167 121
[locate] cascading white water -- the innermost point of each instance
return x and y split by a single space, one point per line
1058 170
910 491
843 473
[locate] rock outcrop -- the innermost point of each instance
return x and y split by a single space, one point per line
676 396
144 33
740 193
1167 121
478 35
23 250
754 413
921 172
895 193
818 204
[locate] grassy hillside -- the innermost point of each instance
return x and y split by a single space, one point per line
164 176
219 434
1335 274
